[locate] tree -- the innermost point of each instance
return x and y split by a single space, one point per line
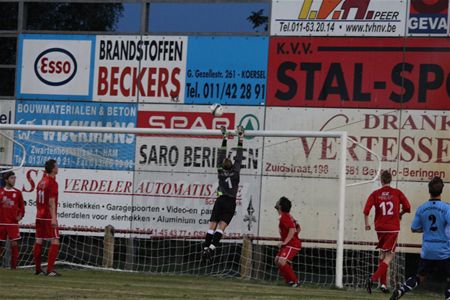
73 16
258 19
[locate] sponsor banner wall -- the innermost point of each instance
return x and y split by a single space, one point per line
414 141
57 67
338 18
77 149
148 68
86 198
7 108
227 70
428 18
359 73
183 203
195 154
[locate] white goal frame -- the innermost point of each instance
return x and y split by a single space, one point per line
342 135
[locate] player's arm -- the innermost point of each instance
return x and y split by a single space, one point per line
416 225
406 206
222 153
52 205
21 205
366 211
289 237
240 149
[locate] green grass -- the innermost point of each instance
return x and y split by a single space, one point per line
87 284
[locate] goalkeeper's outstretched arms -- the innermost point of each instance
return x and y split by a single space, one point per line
240 149
222 153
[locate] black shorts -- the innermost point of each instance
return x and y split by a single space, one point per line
428 266
223 209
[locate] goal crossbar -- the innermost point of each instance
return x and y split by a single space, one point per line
342 135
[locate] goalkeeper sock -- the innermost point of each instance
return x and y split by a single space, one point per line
382 268
208 238
383 277
217 237
14 256
52 255
37 257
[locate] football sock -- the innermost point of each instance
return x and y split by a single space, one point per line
217 237
208 238
410 284
382 268
447 291
383 277
37 256
52 255
289 273
14 256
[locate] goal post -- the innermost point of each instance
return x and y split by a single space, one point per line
341 172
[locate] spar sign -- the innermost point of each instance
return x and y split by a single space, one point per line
359 73
55 67
338 17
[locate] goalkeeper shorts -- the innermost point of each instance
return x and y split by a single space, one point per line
223 209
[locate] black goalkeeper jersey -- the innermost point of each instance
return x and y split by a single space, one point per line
229 179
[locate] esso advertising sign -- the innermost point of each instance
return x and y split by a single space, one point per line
55 66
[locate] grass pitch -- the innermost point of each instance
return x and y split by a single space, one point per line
87 284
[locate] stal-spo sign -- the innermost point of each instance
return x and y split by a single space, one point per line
359 73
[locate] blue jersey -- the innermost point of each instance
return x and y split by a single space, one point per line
433 218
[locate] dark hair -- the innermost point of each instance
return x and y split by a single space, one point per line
227 164
386 177
50 165
8 174
435 186
284 204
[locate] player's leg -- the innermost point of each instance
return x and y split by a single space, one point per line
14 236
424 268
2 241
53 252
446 267
213 221
387 242
37 248
228 208
282 260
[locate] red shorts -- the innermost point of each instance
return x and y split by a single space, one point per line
387 241
10 232
45 230
288 252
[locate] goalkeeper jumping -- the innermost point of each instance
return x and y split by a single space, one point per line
225 205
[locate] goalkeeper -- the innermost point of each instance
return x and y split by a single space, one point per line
225 205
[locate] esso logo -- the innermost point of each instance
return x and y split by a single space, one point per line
55 66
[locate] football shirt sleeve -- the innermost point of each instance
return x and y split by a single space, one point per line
416 224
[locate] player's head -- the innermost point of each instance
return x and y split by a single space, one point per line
10 178
435 186
283 205
51 167
386 177
227 164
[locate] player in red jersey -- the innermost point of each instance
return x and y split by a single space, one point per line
46 218
387 201
12 210
290 243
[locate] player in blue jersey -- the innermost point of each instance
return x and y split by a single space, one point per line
224 208
432 219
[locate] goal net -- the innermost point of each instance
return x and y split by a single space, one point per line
139 199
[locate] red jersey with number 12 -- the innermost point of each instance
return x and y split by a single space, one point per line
47 188
387 201
287 222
